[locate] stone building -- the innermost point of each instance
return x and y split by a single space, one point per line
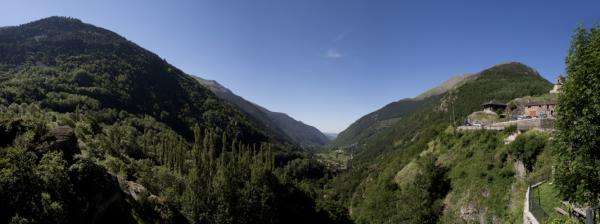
540 109
558 85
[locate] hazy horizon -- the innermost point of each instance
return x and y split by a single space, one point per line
327 63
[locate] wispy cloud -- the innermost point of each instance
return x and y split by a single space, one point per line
333 53
341 35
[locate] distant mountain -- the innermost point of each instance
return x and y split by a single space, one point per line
393 112
331 135
281 124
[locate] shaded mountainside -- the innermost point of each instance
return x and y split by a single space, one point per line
372 190
64 64
391 113
283 125
95 129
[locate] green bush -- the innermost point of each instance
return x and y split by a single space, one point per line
528 146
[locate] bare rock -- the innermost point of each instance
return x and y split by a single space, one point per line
61 138
469 213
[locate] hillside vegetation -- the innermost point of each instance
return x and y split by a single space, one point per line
95 129
370 188
281 124
376 121
503 83
63 64
383 118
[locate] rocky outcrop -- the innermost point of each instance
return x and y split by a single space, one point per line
99 197
40 140
469 213
157 208
60 138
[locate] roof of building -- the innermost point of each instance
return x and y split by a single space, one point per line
540 103
493 103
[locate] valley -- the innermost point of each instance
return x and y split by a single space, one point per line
95 128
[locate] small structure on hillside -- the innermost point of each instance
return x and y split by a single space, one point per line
493 106
481 118
540 109
558 85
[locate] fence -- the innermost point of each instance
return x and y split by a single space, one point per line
534 212
592 215
535 203
534 206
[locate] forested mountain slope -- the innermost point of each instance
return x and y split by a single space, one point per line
393 112
502 82
370 188
64 64
95 129
283 125
377 120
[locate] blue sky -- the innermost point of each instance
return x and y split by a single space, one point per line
327 63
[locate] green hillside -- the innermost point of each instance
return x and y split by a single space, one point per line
377 120
502 82
95 129
63 64
393 112
369 189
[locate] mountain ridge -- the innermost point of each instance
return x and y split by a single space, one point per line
282 124
382 118
106 70
452 82
391 112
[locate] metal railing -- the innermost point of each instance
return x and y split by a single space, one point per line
535 203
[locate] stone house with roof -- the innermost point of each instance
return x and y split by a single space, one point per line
540 109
